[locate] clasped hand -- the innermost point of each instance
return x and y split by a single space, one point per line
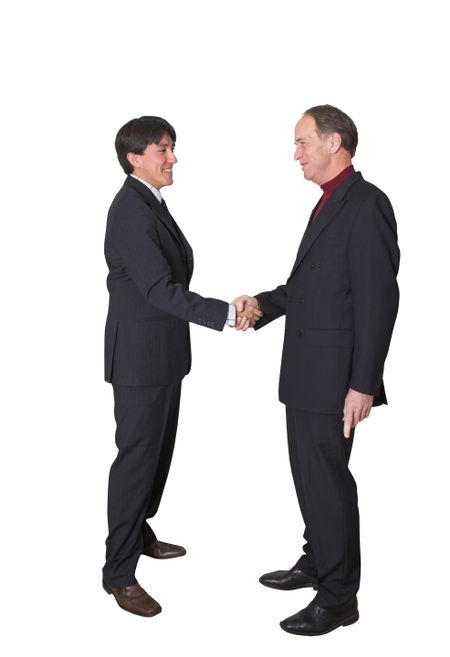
248 312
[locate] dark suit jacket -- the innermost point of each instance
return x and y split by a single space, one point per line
340 301
150 266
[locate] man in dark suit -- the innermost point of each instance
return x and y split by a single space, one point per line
147 350
340 302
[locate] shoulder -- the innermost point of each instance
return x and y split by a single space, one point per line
372 215
367 202
129 204
130 213
128 198
363 190
365 193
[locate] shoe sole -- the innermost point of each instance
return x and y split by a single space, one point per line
349 621
172 556
130 611
290 588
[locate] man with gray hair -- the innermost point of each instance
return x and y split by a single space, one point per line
340 303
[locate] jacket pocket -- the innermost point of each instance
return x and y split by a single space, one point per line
162 350
110 346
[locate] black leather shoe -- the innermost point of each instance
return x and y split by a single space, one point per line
315 620
161 550
288 580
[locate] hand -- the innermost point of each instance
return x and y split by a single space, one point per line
247 312
356 408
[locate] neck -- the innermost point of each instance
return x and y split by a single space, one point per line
335 169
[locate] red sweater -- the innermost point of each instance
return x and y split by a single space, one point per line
329 187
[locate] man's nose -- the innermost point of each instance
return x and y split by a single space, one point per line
298 154
171 158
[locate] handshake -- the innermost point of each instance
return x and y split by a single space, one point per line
248 312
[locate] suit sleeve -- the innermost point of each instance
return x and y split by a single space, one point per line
135 238
374 260
273 304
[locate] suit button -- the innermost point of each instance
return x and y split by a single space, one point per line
313 265
301 300
299 333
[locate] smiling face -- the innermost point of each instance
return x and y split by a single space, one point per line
156 162
314 152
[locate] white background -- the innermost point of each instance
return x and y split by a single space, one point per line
233 78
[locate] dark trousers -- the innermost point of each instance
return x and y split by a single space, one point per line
326 491
146 418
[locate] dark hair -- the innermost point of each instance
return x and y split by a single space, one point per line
331 119
137 134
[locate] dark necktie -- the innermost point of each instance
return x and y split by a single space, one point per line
177 230
164 206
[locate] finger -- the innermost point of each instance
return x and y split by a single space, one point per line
246 325
243 300
357 417
348 419
239 303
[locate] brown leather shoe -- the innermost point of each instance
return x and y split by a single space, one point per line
134 599
161 550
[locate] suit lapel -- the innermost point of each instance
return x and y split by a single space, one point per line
331 208
156 206
162 212
312 232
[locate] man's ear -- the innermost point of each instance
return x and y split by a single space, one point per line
134 159
335 141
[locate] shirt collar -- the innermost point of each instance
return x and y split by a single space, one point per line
155 191
329 187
